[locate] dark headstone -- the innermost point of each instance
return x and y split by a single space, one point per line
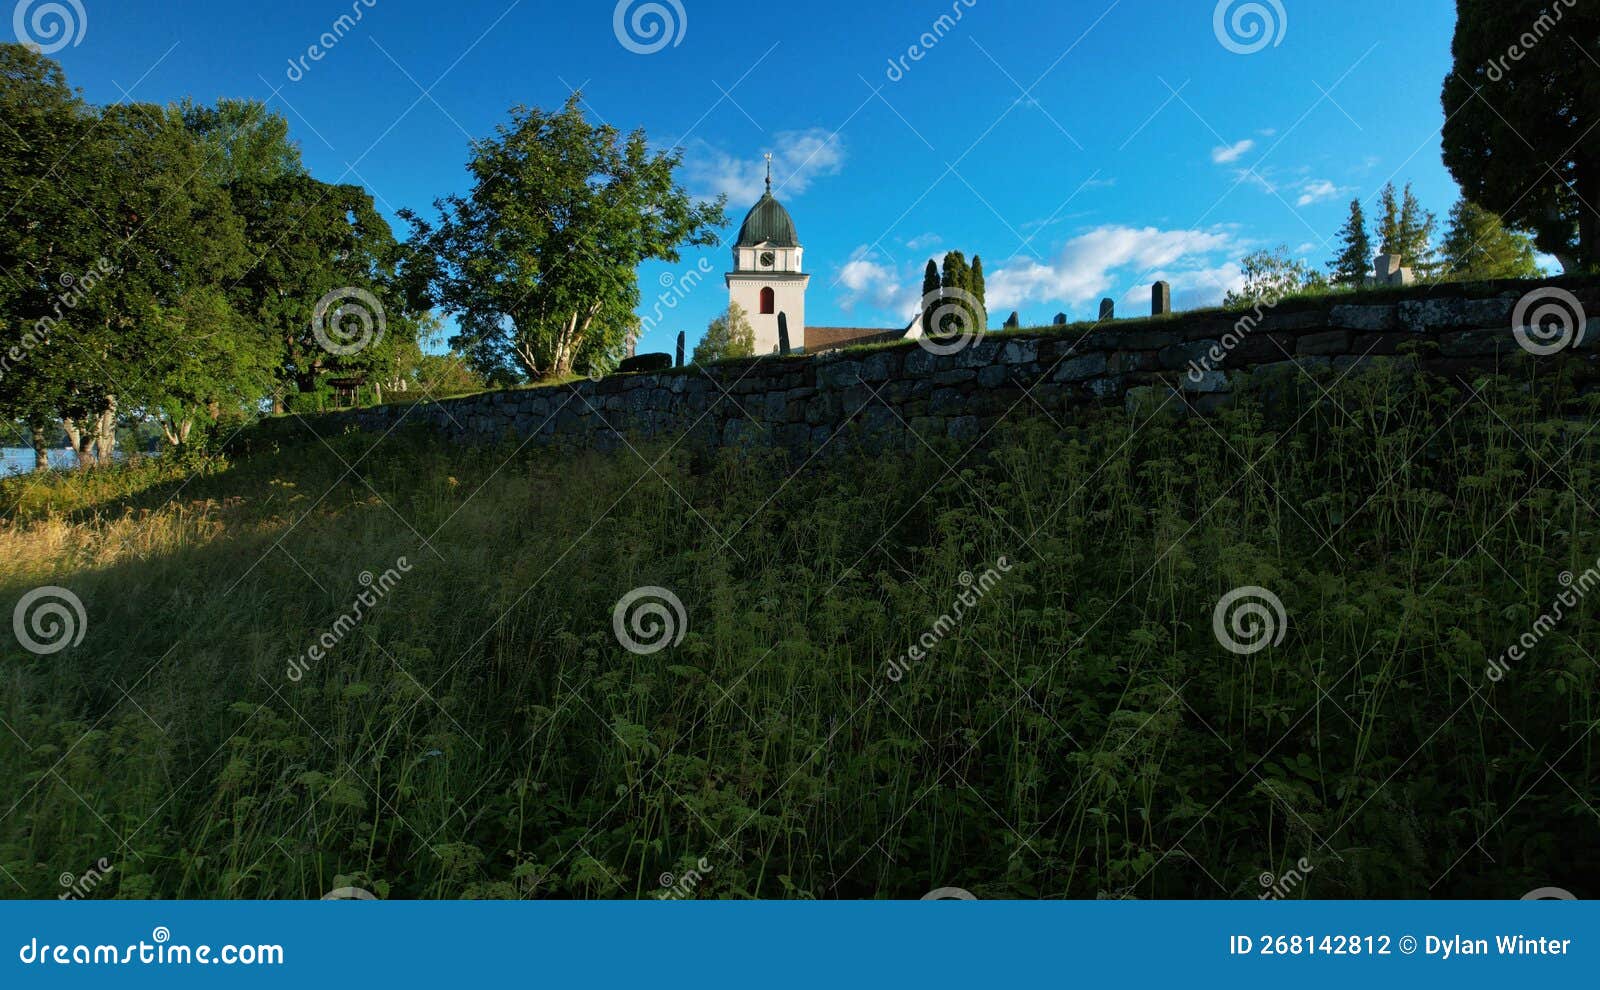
783 333
1014 321
645 362
1061 319
679 362
1161 299
1108 310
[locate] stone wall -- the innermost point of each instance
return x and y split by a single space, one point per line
1192 360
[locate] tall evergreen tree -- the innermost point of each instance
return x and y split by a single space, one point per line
1405 228
956 284
1518 132
1478 245
978 288
1417 227
1354 262
930 295
1389 238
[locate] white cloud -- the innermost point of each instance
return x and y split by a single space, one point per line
1231 152
1097 263
925 242
879 286
798 159
1315 191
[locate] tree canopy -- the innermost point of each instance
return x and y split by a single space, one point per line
729 336
539 262
1520 103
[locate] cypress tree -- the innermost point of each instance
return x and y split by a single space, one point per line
930 295
978 290
957 279
1354 262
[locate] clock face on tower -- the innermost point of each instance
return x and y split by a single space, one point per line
768 259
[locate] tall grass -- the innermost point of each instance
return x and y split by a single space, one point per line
1079 733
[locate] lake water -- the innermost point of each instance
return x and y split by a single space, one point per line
19 460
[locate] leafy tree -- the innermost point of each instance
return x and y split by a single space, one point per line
442 375
1478 245
243 141
175 241
930 295
1406 229
48 232
540 262
1519 120
214 364
1354 263
312 241
1269 276
729 336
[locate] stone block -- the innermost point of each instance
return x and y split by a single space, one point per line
1080 368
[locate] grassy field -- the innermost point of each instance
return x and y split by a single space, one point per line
1079 731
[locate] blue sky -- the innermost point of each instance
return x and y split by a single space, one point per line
1082 147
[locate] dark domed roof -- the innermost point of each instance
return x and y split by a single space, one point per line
768 223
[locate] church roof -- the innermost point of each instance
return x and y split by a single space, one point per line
768 223
819 339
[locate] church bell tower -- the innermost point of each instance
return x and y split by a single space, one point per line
767 278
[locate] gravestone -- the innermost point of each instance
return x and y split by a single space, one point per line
1108 310
1161 299
1390 271
1013 321
680 350
783 333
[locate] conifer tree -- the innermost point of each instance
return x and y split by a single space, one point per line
977 287
1354 262
1478 245
956 283
930 295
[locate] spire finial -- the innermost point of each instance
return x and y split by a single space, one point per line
769 173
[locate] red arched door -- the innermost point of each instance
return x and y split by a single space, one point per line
769 301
